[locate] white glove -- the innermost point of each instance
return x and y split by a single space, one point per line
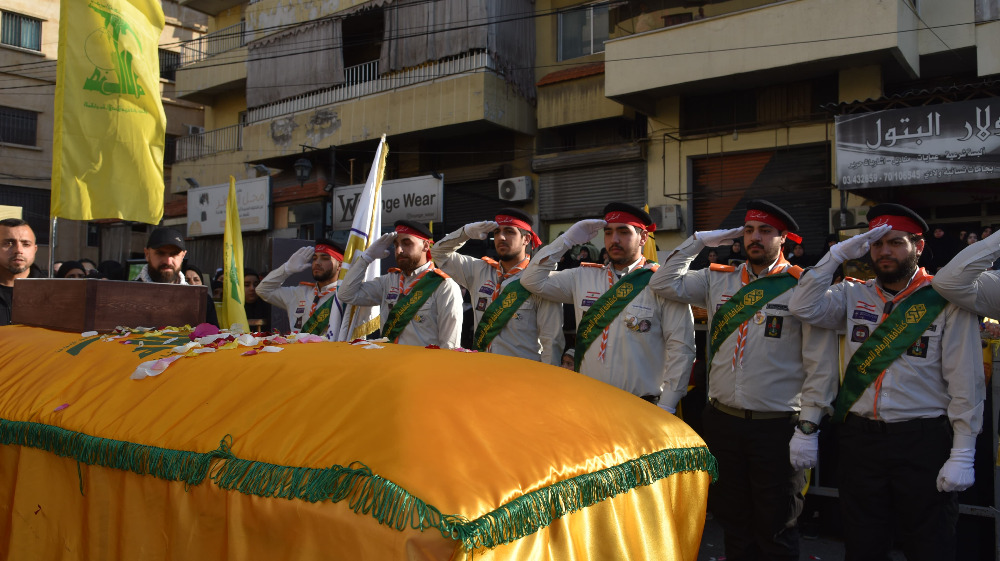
856 247
380 248
300 260
956 474
715 238
662 404
480 230
803 449
584 231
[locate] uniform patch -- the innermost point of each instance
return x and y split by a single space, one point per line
587 302
867 316
481 305
919 349
391 296
862 305
859 334
772 328
781 307
486 289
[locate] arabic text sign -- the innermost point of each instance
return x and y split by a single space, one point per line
414 198
919 145
206 207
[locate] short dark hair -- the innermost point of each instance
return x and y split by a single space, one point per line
14 223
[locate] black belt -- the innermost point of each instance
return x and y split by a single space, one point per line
864 424
654 399
748 414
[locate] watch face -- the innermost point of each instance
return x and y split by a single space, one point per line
807 427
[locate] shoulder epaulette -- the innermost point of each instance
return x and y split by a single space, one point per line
490 261
395 270
595 265
303 283
653 266
794 270
443 274
722 268
852 279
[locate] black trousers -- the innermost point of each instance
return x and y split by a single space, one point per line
758 497
888 485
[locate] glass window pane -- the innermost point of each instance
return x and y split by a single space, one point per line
600 28
574 34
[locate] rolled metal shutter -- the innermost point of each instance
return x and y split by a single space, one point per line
582 192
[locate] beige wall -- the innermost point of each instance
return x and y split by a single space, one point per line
269 14
734 42
953 26
575 101
988 41
225 111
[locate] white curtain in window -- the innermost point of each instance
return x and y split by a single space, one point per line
418 31
306 58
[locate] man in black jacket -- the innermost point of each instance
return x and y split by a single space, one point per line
17 255
165 252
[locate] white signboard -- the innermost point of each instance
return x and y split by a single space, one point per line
206 209
415 198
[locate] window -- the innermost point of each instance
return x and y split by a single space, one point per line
169 61
18 126
582 31
21 31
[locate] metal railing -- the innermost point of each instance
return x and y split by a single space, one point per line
364 79
226 139
225 39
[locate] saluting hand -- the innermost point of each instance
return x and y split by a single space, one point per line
856 247
715 238
380 248
300 260
480 230
584 231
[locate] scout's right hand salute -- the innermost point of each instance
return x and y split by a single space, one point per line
911 400
420 305
626 335
966 280
509 320
759 356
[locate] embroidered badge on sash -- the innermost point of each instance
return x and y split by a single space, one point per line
481 305
859 333
773 327
919 349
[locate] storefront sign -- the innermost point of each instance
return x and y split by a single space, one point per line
414 198
919 145
206 207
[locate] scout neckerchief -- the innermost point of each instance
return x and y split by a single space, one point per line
901 326
319 314
735 314
411 299
602 312
500 310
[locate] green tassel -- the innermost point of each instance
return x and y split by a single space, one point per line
365 492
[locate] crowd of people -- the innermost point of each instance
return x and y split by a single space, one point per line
907 394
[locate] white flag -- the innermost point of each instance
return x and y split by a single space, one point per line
360 321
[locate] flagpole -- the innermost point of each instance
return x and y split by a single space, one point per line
52 244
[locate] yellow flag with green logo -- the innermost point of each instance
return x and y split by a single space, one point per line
649 250
233 298
108 134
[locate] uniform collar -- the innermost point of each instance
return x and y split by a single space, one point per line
635 265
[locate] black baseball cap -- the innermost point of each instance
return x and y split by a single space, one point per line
164 235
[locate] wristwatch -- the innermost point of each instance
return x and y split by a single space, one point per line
808 427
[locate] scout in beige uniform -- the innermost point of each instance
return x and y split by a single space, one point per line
419 304
509 320
626 335
911 400
968 281
760 354
312 307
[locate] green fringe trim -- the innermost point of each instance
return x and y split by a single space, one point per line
365 492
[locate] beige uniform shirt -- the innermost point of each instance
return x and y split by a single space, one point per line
966 282
535 330
298 301
650 345
768 373
437 322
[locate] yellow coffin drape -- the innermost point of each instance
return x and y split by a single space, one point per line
494 444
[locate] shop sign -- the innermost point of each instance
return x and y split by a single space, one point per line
206 207
413 198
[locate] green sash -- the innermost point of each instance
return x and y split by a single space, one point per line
606 309
406 307
319 321
887 343
499 313
744 304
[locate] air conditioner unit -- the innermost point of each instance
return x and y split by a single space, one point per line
515 189
667 217
195 129
853 216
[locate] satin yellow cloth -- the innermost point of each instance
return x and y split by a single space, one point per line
466 433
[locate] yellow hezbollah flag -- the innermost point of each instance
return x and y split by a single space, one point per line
649 250
232 258
109 122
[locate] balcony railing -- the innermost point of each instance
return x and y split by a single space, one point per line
226 139
364 79
225 39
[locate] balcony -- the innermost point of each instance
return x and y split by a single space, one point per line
209 143
364 79
203 73
771 43
211 7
